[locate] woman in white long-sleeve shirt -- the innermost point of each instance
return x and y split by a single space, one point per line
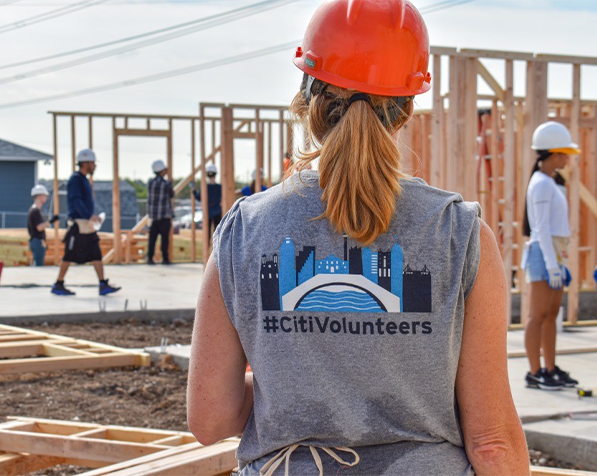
545 254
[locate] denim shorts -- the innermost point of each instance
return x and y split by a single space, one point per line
534 264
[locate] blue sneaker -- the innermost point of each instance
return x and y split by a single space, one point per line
105 288
59 289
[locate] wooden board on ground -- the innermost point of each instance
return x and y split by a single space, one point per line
23 350
31 444
14 247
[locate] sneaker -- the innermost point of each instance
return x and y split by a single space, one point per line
150 261
105 288
60 290
542 380
167 262
563 377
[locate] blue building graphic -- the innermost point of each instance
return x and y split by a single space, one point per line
364 281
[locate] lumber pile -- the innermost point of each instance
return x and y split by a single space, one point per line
23 350
14 247
32 444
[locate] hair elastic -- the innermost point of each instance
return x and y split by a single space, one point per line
359 97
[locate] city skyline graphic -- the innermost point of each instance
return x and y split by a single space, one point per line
362 280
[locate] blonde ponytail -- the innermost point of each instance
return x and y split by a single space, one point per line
359 161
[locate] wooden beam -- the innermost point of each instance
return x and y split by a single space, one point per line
116 197
73 143
193 201
574 201
509 181
55 195
437 126
144 132
490 80
258 136
204 194
79 448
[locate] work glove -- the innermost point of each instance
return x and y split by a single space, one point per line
567 276
54 219
595 274
554 278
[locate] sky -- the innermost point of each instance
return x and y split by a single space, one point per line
538 26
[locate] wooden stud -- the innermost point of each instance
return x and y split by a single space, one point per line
269 154
170 163
116 197
193 224
509 181
495 169
281 145
437 127
574 201
206 238
73 143
90 133
56 196
258 152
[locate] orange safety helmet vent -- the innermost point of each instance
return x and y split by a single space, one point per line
374 46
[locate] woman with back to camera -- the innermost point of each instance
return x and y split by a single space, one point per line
545 255
371 307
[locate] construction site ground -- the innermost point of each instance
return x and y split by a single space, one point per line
154 397
152 292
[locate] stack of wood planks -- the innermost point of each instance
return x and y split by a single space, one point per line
23 350
14 247
32 444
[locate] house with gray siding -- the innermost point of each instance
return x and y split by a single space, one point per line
18 175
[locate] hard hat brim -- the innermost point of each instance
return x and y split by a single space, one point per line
357 86
572 150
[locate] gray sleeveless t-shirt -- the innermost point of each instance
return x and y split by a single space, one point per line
350 346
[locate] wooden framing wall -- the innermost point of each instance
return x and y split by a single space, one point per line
486 158
225 126
479 145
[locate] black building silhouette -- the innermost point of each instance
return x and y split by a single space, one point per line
270 291
384 275
416 294
355 260
301 260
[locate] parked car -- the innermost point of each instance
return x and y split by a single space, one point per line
183 217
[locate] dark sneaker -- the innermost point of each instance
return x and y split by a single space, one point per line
150 261
60 290
563 377
105 288
167 262
542 380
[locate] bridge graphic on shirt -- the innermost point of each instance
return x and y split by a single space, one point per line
364 281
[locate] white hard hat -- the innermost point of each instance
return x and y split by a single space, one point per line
39 190
211 169
86 155
254 174
159 166
554 137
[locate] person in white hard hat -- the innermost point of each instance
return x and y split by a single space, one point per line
37 224
545 254
81 243
159 209
214 197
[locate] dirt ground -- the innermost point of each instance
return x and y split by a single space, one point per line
151 397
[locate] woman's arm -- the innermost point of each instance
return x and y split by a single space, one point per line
493 436
219 395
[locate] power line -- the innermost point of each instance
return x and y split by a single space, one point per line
159 76
8 2
129 38
443 5
75 7
195 26
185 70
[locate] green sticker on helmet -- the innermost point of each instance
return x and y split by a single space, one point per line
310 63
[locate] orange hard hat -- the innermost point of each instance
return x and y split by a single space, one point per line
374 46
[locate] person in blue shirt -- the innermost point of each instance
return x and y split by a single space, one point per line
81 243
214 197
249 190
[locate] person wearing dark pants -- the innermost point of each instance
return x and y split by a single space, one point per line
81 243
214 198
37 224
159 207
